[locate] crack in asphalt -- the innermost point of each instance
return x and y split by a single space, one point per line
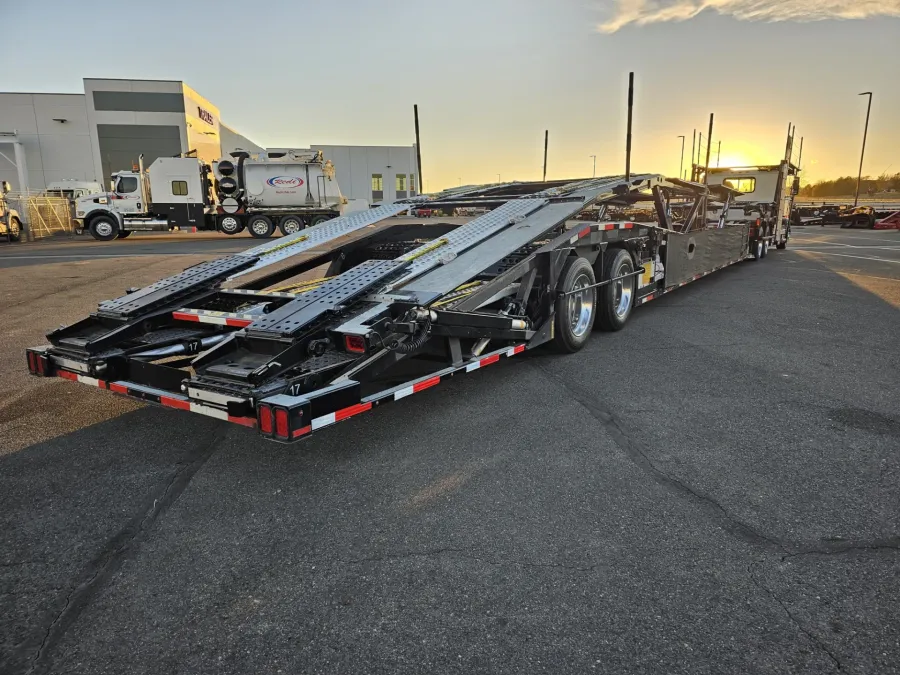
640 458
102 568
735 526
794 620
833 548
466 553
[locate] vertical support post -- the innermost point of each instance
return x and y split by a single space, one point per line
863 154
628 137
719 156
693 152
418 151
699 151
21 166
708 149
800 158
681 162
546 142
787 145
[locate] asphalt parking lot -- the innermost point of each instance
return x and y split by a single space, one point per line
712 490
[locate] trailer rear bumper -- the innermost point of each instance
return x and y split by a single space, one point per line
280 418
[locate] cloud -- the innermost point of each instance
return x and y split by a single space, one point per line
643 12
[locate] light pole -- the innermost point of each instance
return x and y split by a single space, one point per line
498 177
681 163
594 175
863 155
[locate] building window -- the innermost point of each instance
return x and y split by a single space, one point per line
179 188
412 185
401 186
377 187
127 185
745 185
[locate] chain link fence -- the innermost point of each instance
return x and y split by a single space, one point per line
42 216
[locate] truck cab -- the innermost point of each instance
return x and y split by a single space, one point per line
172 193
72 189
766 198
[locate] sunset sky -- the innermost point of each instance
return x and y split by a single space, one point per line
490 75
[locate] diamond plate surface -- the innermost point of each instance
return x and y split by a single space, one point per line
428 256
293 316
172 287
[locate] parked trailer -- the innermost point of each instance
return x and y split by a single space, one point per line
251 340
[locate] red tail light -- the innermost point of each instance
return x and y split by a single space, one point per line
265 419
40 362
32 368
355 344
281 423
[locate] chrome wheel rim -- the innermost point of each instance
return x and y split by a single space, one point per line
580 307
104 228
229 224
290 226
624 290
259 227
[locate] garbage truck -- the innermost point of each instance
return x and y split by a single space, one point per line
286 190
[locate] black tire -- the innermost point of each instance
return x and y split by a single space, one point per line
14 233
230 224
260 227
316 220
290 225
781 245
123 234
575 313
104 228
616 299
756 249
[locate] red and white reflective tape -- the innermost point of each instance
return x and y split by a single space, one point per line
600 228
158 397
217 318
339 415
84 379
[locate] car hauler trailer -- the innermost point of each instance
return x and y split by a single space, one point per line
250 339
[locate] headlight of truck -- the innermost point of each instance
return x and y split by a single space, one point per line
79 214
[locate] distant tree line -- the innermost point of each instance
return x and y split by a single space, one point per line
842 187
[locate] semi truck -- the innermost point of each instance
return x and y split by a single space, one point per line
766 199
265 340
289 190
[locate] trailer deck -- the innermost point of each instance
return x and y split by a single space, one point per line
252 339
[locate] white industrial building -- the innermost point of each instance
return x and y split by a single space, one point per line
86 136
376 173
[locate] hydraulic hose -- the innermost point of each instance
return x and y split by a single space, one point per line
419 338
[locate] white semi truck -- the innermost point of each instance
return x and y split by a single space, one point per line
765 202
289 190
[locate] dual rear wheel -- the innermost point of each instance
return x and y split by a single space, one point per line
581 305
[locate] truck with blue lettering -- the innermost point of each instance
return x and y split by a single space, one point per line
287 191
